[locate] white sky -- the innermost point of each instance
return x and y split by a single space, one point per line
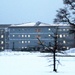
22 11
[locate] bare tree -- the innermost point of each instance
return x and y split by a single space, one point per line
67 14
55 46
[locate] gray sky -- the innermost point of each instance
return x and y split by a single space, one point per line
22 11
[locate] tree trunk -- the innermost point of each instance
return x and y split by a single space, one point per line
54 61
54 57
13 46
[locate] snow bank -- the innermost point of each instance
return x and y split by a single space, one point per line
71 51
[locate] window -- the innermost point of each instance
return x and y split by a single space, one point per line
49 29
25 41
6 29
64 47
2 36
28 35
60 29
60 36
28 41
51 47
38 30
67 47
2 47
19 42
25 35
22 35
13 35
18 35
2 42
49 35
56 35
64 29
67 29
22 47
22 41
64 41
25 47
67 35
64 35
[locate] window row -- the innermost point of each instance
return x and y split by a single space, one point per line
62 42
24 42
61 29
39 29
22 47
64 47
21 35
60 35
39 36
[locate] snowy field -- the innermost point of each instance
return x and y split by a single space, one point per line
34 63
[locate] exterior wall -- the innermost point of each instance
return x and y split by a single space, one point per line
27 36
20 37
65 38
24 37
4 36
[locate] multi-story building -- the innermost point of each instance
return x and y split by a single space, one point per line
23 36
3 36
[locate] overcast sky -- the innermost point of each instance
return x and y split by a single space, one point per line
22 11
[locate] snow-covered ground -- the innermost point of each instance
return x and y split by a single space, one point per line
34 63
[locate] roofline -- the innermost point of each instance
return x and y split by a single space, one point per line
33 26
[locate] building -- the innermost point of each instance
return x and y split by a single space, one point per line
3 36
24 36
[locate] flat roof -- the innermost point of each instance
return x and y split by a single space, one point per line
31 24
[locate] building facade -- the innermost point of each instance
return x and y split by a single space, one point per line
25 35
22 36
2 39
3 36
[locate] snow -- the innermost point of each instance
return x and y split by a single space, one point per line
34 24
72 50
24 24
34 63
